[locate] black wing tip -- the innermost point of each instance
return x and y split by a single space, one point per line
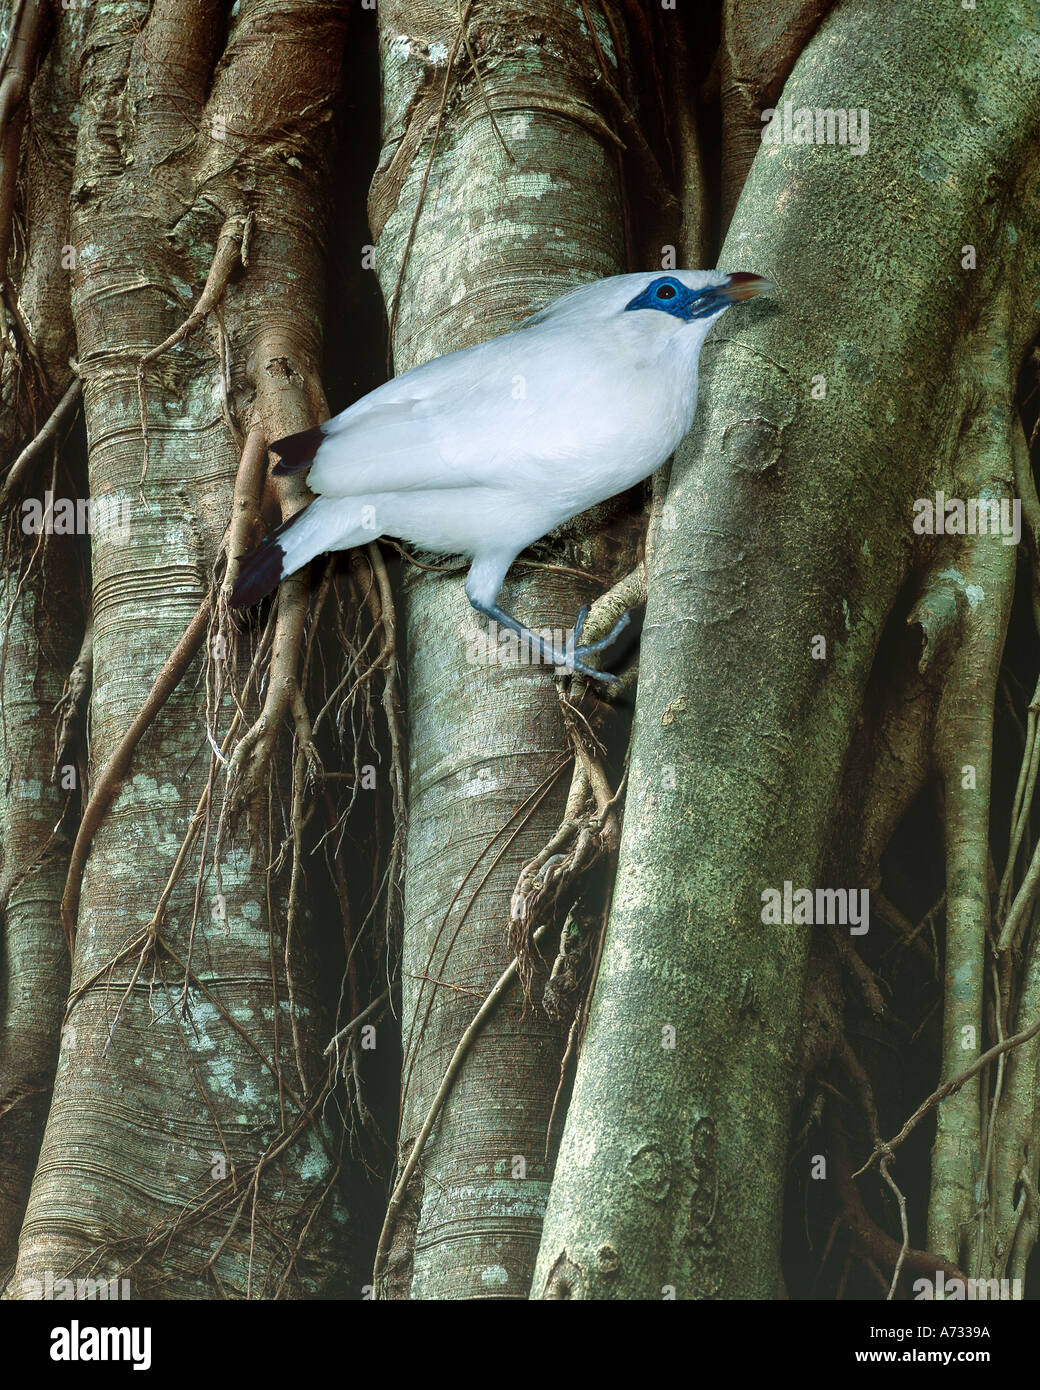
259 572
296 451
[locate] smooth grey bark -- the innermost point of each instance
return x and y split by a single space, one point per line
793 518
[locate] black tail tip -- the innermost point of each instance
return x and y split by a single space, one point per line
296 451
259 572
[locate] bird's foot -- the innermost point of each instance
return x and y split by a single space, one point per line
570 661
578 668
577 651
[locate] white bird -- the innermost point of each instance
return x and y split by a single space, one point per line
485 450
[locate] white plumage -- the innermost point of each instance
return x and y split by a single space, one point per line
485 450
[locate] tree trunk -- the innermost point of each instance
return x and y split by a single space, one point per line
181 1150
41 600
475 232
671 1171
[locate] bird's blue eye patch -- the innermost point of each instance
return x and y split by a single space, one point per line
671 296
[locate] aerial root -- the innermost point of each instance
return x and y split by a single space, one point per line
872 1242
249 763
545 877
110 779
245 508
589 832
604 619
47 435
949 1088
112 774
231 252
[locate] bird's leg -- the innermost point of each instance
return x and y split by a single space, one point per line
570 661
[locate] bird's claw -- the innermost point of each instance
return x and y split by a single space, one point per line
612 636
575 663
578 668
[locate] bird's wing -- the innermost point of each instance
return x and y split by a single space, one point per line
559 397
450 423
404 434
389 448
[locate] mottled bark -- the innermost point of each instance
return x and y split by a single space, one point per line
759 47
180 1150
41 618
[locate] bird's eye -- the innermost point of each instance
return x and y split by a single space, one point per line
666 292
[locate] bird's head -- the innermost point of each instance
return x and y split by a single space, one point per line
680 305
696 295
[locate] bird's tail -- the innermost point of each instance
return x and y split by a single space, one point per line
327 523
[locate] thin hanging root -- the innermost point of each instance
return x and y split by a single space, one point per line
861 1081
542 879
565 1060
108 783
1014 915
948 1088
228 256
391 701
151 934
1019 816
339 880
13 308
869 1237
395 299
1018 913
589 830
310 762
112 774
443 1091
60 415
191 834
356 1023
506 834
305 763
249 763
531 875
